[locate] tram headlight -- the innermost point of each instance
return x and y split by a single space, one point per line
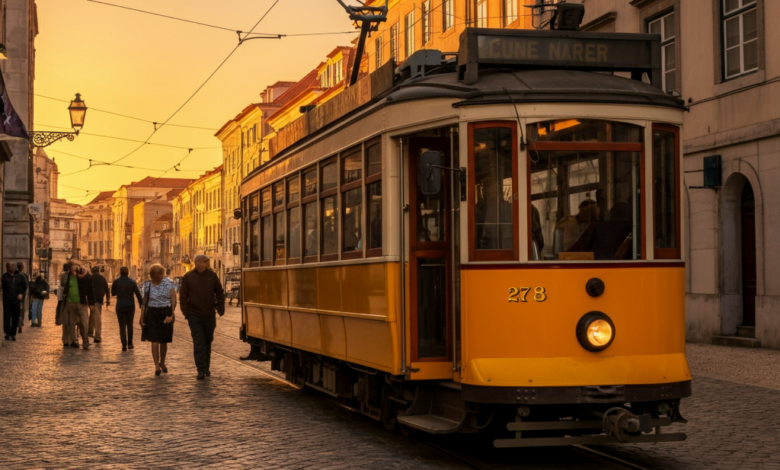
595 331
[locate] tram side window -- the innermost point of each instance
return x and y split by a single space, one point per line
374 198
267 227
309 202
493 215
329 212
666 192
585 202
352 199
280 254
253 229
294 217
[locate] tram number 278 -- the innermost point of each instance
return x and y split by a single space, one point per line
521 294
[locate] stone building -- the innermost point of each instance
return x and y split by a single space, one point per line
45 176
198 216
63 236
96 235
723 58
244 146
161 241
148 218
182 233
125 199
18 29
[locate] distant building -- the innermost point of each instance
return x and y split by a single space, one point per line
96 235
198 217
45 176
122 210
63 232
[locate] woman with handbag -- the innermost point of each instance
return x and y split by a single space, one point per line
157 315
40 292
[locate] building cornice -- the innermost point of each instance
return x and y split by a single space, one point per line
602 20
641 3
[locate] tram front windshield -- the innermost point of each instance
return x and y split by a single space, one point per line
585 193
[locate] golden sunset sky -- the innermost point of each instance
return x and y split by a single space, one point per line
145 66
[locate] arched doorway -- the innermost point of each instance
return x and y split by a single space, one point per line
748 229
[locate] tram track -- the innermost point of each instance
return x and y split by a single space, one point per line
460 460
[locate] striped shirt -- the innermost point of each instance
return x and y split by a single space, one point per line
160 295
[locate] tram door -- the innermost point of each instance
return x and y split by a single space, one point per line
429 259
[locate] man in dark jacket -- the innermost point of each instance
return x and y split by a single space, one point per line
200 294
123 288
100 288
24 305
14 288
78 295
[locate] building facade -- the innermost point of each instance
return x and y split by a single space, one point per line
723 58
96 235
18 29
46 174
122 213
198 217
149 217
182 233
63 236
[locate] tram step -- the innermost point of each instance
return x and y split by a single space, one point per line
746 331
430 423
736 341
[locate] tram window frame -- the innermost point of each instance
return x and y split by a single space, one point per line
345 188
290 206
279 187
263 229
325 194
659 252
637 147
369 181
492 255
305 201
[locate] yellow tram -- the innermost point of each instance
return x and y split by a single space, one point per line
487 240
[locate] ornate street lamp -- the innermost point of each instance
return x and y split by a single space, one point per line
78 112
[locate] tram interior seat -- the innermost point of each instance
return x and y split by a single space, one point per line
607 240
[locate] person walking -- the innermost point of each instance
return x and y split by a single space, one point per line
157 314
200 294
14 285
100 288
62 314
24 307
124 288
78 295
39 291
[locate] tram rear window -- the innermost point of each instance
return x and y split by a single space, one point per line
585 199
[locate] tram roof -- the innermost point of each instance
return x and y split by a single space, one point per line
535 86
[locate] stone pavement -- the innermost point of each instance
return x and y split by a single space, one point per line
104 408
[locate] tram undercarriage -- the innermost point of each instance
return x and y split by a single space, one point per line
516 417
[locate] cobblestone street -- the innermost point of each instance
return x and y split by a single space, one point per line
104 408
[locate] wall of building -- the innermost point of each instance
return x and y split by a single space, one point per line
20 29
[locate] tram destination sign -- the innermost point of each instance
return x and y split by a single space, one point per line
575 50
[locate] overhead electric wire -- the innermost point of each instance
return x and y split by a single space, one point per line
270 35
205 82
100 163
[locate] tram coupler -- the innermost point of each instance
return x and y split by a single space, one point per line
622 424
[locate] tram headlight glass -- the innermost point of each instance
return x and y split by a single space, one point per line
599 333
595 331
